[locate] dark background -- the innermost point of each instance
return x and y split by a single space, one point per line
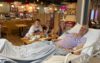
44 1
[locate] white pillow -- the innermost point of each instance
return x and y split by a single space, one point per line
92 36
75 29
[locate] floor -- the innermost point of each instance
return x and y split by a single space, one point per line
16 40
95 60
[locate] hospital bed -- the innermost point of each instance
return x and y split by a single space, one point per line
87 50
91 48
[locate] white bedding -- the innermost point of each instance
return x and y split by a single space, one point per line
93 37
33 51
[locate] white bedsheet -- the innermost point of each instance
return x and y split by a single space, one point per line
33 51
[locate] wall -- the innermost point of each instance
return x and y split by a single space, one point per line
5 8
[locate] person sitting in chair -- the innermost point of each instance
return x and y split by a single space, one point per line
35 28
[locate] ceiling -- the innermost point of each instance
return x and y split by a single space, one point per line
39 1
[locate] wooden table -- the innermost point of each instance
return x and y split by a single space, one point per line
27 41
21 28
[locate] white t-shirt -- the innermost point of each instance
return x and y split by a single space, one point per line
32 29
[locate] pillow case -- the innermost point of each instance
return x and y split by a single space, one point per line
75 29
93 35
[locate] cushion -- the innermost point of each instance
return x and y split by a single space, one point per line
75 29
92 36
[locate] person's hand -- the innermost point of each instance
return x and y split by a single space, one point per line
33 34
56 40
77 48
69 50
77 53
25 37
48 38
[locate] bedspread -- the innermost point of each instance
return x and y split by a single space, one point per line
32 52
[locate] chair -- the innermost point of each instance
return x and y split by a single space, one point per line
91 45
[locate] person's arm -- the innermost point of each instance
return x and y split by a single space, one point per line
41 29
54 37
56 40
60 37
78 47
30 32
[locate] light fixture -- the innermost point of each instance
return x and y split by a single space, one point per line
37 0
55 9
1 5
30 7
41 3
38 8
22 6
12 6
50 8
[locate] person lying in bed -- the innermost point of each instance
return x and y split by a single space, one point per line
41 50
71 41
